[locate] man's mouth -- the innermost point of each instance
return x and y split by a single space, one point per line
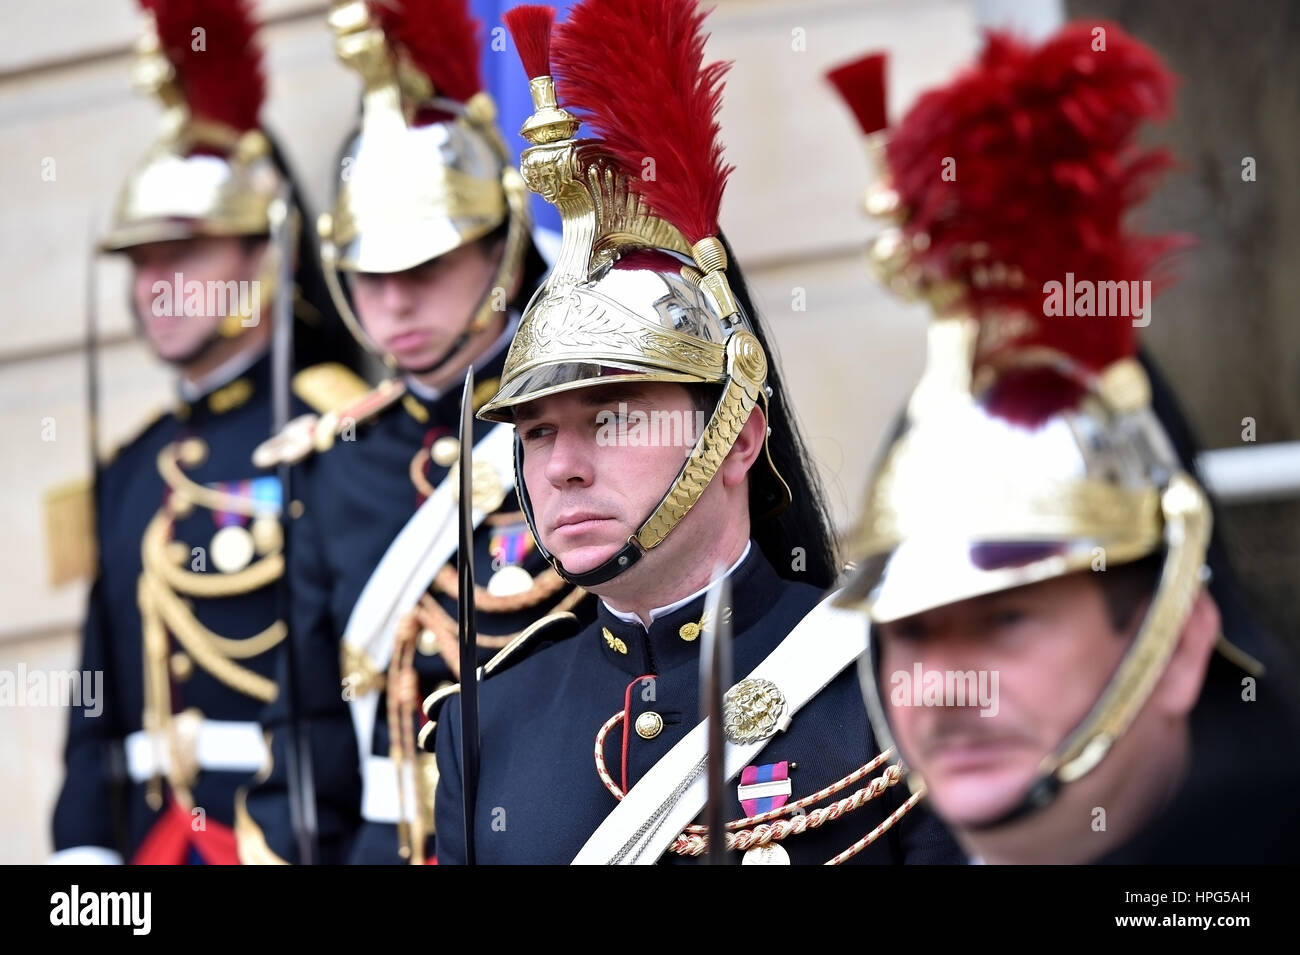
408 341
579 522
970 753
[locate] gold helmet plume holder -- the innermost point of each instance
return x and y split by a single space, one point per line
1187 521
742 390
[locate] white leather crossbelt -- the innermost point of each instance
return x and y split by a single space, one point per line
674 791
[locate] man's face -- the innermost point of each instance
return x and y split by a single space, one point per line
417 315
589 494
176 331
1052 648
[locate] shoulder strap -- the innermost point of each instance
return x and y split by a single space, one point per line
329 386
674 791
311 432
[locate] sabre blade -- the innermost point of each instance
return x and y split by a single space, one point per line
715 679
299 769
469 738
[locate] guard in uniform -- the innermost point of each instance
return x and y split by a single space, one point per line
1032 519
182 616
429 252
588 753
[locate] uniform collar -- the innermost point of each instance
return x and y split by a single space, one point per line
657 612
229 386
673 636
223 374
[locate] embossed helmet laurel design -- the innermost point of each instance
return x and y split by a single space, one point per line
640 287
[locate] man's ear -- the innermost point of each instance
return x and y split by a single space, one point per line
1180 685
748 446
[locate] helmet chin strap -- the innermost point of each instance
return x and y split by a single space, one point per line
1187 531
627 555
508 269
746 373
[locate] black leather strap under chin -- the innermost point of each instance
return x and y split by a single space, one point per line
625 558
1041 794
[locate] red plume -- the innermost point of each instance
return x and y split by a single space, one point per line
1027 160
442 39
634 70
219 71
861 84
530 26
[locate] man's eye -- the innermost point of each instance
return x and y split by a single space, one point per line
1008 616
905 632
425 270
537 432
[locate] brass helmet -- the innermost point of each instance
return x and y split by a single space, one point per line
211 170
428 170
1030 449
640 286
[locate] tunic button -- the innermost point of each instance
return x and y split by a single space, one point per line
649 724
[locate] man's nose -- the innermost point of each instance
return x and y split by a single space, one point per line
395 293
570 460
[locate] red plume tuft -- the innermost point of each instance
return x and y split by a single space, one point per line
219 71
634 70
861 84
1027 160
530 25
442 39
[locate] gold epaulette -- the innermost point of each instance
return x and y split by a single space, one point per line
70 531
329 386
314 433
506 657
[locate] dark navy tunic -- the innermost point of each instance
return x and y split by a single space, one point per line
539 796
97 806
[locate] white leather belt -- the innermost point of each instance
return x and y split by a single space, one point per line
220 745
379 801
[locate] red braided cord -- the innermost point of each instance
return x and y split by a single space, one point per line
693 841
875 833
694 845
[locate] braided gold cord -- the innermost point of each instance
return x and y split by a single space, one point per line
199 642
545 584
693 840
254 577
877 832
761 835
401 740
434 617
601 771
205 497
818 796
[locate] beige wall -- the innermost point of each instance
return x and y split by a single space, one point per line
792 213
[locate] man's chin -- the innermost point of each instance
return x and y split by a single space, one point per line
583 560
972 799
178 353
423 362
